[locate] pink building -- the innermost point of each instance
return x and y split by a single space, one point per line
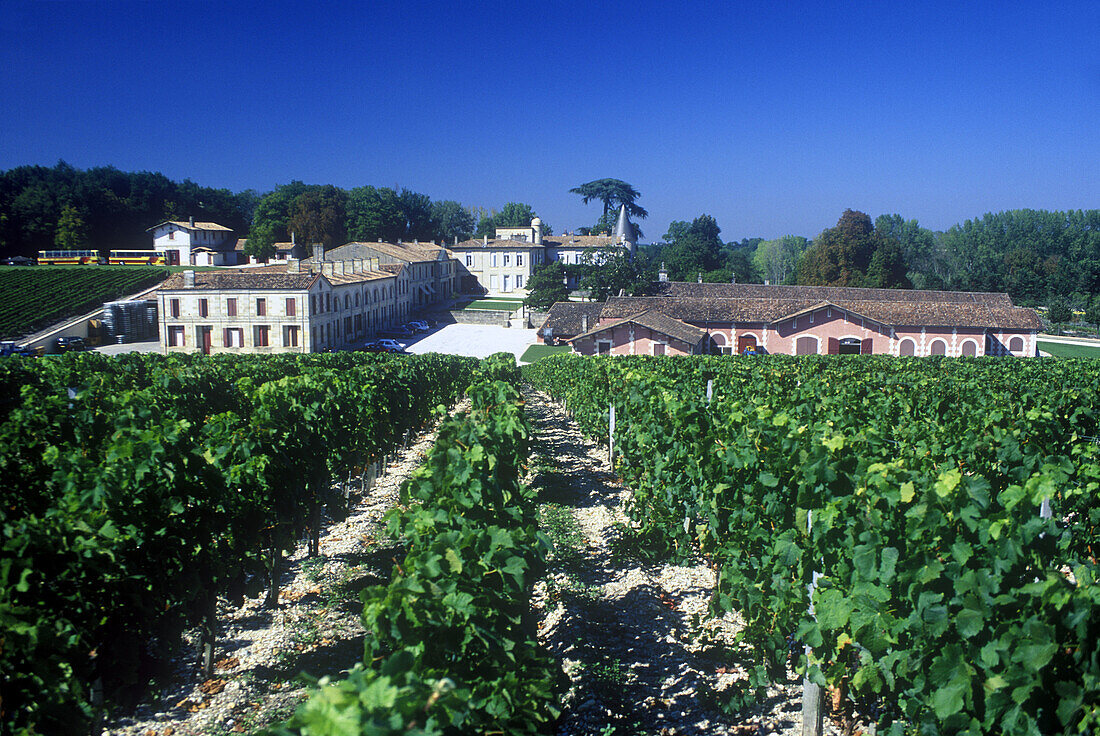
694 318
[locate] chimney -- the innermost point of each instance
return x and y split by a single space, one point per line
293 242
456 240
767 282
733 279
189 279
699 279
584 323
293 265
484 239
318 252
192 221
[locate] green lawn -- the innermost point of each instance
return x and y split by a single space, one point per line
1060 350
538 352
510 305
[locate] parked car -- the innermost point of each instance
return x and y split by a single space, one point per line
398 331
391 346
70 344
419 325
10 348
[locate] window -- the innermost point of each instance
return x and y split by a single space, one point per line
233 337
519 259
347 301
260 336
313 303
328 302
231 307
175 334
970 348
357 298
938 347
519 282
171 234
659 348
493 259
507 283
470 260
1016 345
290 336
261 307
493 286
603 348
908 348
204 308
174 307
806 346
291 307
507 260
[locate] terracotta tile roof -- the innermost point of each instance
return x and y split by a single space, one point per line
897 313
578 241
244 279
655 321
494 243
410 252
186 225
564 318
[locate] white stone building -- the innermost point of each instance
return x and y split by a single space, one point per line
277 309
195 243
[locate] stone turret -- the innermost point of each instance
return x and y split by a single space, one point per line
624 231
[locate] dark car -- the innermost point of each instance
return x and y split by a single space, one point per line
398 331
70 344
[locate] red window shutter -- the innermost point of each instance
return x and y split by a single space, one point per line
834 346
231 307
291 307
865 347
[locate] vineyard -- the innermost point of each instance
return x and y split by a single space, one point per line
942 512
915 494
35 298
138 489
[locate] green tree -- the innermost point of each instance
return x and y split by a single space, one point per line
887 268
840 255
776 260
1092 314
270 221
375 214
613 193
71 232
921 251
693 248
514 214
417 211
320 216
1059 312
546 286
453 220
608 271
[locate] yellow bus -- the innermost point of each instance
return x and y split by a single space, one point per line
136 258
67 257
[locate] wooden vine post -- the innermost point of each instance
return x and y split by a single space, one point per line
611 439
813 699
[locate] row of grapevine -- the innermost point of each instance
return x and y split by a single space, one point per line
948 603
37 297
135 495
452 645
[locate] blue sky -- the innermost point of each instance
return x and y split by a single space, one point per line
773 117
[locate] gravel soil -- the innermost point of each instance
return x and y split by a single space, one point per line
316 628
637 647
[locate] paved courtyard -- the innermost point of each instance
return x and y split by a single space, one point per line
478 341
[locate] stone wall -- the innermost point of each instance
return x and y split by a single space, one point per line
475 317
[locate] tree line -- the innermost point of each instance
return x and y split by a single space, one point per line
104 208
1036 256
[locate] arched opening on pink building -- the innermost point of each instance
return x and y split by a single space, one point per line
907 348
938 347
806 345
1016 345
746 344
850 346
969 348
